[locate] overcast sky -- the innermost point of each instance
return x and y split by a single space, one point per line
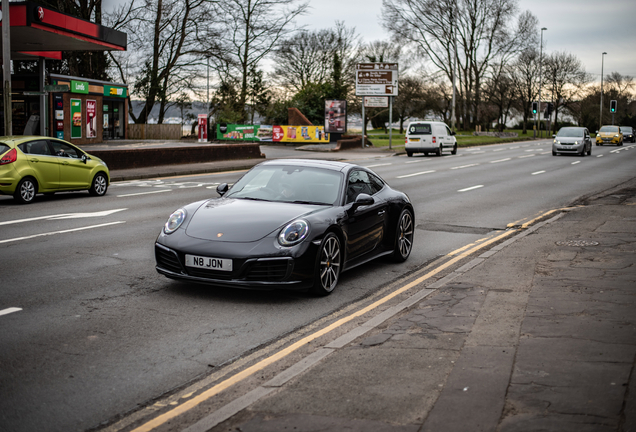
585 28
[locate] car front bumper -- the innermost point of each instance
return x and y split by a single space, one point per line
568 148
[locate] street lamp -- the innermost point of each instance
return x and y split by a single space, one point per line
540 79
600 121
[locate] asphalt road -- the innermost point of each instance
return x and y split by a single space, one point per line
100 333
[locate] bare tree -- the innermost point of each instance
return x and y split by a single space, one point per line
524 74
565 77
499 90
484 31
250 30
623 84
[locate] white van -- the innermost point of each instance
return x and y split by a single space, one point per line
429 137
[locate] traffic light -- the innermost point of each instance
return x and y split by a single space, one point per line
613 106
550 107
535 107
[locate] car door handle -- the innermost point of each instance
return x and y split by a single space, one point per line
381 212
34 160
65 163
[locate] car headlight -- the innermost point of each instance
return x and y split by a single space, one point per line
174 221
555 141
576 143
615 136
293 233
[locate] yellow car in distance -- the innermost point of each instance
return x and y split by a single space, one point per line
609 135
35 164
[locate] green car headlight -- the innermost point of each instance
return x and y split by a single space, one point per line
293 233
174 221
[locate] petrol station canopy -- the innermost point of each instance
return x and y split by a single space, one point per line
39 32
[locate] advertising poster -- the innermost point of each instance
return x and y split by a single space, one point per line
243 132
335 116
300 134
76 118
91 119
203 127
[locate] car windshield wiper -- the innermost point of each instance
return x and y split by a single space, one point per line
252 198
307 202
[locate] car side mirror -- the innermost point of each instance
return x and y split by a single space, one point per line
596 132
84 158
222 189
553 136
453 133
362 200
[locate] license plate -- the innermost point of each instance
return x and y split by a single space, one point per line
414 139
209 263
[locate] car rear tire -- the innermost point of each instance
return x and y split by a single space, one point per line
439 150
26 191
409 154
404 236
99 186
327 265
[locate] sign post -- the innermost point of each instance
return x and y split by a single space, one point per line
377 79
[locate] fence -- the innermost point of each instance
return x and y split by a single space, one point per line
155 131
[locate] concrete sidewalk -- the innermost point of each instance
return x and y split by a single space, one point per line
536 334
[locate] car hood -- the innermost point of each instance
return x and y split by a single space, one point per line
608 134
241 220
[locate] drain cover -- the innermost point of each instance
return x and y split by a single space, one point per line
577 243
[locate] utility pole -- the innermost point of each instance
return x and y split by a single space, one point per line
6 66
540 78
600 119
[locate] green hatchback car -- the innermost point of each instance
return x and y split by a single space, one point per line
34 164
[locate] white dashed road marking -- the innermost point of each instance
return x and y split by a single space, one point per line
471 188
9 310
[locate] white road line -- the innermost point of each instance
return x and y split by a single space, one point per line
471 188
538 172
500 160
473 149
526 156
417 161
9 310
599 156
531 150
499 149
415 174
377 165
464 166
60 232
144 193
548 152
515 147
65 216
577 162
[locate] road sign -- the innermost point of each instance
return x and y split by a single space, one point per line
377 79
57 88
376 102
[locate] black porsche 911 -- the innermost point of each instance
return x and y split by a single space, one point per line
290 224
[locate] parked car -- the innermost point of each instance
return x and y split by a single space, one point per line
609 135
628 134
34 164
429 137
288 224
574 140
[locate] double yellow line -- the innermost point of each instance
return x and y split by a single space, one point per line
240 376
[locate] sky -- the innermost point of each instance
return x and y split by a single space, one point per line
585 28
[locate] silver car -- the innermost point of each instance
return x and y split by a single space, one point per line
573 140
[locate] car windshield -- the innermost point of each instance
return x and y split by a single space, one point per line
420 129
570 132
286 183
626 129
609 129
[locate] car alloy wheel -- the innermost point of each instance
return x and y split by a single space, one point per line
26 190
328 265
99 186
404 236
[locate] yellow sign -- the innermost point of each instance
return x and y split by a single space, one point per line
300 134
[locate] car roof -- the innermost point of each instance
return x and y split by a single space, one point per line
311 163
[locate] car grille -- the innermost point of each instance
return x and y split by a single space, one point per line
210 274
273 270
167 259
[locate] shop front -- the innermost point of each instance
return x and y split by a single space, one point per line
89 111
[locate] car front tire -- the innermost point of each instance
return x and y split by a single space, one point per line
26 191
328 263
454 151
99 186
404 236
